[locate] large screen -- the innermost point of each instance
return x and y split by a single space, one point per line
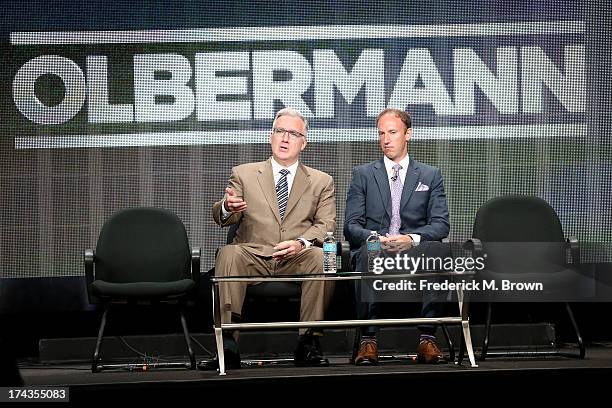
115 104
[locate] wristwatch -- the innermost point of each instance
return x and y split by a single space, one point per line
304 242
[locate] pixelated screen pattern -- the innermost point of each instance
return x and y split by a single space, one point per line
155 108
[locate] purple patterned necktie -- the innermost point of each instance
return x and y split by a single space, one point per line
396 197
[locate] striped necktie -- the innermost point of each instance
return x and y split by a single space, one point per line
282 192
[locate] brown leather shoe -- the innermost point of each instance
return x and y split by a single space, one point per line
428 352
368 352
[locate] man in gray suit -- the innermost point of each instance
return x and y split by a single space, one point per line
404 201
284 209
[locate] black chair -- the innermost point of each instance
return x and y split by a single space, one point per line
142 256
522 237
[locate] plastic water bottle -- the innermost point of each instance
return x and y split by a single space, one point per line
329 253
374 249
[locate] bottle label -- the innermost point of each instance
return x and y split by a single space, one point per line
329 247
374 246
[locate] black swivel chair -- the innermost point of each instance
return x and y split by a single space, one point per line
522 235
142 255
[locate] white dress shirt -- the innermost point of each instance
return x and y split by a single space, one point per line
276 168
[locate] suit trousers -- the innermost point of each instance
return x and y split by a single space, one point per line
432 303
243 260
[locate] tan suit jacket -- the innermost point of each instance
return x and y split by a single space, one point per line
310 213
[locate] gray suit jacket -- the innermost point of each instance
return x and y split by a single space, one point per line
368 203
310 212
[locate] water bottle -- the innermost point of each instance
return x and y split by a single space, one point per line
374 249
329 253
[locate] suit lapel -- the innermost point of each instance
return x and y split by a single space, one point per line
412 178
380 174
300 184
266 182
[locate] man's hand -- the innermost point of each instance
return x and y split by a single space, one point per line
396 243
232 203
286 249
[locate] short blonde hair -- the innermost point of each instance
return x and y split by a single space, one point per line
402 115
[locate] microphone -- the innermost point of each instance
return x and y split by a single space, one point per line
394 177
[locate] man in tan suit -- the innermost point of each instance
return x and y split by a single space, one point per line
284 209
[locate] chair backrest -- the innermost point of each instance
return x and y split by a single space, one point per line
520 232
231 233
517 218
143 244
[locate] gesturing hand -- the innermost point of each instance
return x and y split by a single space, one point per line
233 203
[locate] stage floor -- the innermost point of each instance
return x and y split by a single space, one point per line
388 375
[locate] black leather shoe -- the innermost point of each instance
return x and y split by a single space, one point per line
308 352
232 361
230 353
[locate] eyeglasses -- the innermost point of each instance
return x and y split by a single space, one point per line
293 134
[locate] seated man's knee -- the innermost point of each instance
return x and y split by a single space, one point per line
311 260
224 258
227 252
316 252
359 260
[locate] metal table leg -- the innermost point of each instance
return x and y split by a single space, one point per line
217 327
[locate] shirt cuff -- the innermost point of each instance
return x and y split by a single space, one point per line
416 238
224 213
304 242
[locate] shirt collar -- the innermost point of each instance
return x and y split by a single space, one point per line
277 167
390 163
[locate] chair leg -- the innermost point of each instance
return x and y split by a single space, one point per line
188 340
485 342
356 341
96 355
578 336
461 348
451 347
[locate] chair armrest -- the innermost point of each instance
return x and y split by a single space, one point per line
473 245
89 258
211 272
196 254
572 245
344 251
